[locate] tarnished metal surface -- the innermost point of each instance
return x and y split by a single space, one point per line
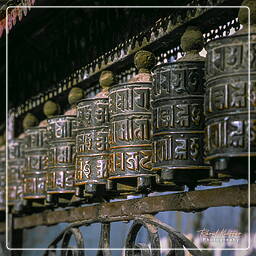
229 97
126 210
2 178
131 246
178 120
130 116
16 166
92 141
35 163
61 131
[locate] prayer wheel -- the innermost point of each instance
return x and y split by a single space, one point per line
178 116
16 166
230 103
92 140
131 126
61 130
34 182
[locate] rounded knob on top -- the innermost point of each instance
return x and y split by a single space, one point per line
144 61
51 108
192 42
2 140
243 16
29 120
75 95
106 80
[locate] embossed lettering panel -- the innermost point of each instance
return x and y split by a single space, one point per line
94 141
132 130
183 114
92 113
226 96
63 127
132 161
36 137
16 149
229 136
92 169
36 161
130 98
34 186
178 80
228 56
15 170
61 154
178 150
60 179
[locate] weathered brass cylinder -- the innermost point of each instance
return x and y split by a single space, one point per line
2 178
131 127
178 119
35 163
61 131
16 166
92 140
130 116
92 146
230 105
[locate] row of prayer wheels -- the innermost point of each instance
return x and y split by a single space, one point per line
191 122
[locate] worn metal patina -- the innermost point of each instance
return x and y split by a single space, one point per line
230 98
61 130
61 154
35 163
178 120
131 123
16 166
92 141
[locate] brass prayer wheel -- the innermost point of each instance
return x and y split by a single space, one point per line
92 140
230 97
61 131
2 174
35 160
178 118
16 166
131 122
61 154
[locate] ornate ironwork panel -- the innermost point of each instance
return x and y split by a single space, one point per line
35 163
61 154
130 116
92 141
178 119
229 98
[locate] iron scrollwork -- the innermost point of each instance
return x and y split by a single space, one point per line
179 243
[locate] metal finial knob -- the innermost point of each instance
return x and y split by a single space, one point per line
144 61
29 120
107 78
192 42
75 95
51 108
243 13
2 140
